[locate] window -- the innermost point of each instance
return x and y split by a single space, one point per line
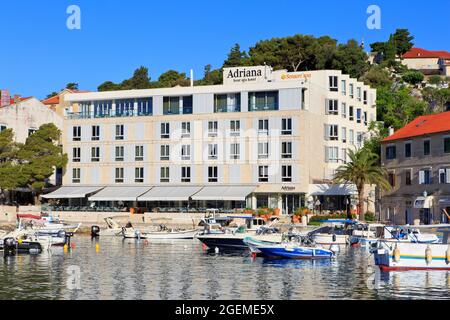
164 174
286 173
344 155
124 108
351 86
95 154
358 115
145 106
263 150
331 154
344 87
230 102
185 129
76 175
3 127
358 93
351 137
186 152
408 177
332 107
359 139
235 152
171 105
351 115
344 110
76 154
95 133
212 151
286 126
212 128
365 96
212 174
331 132
76 133
165 130
286 150
391 179
263 173
344 134
119 175
333 83
391 152
119 153
263 127
185 174
139 175
447 145
444 175
165 152
425 176
365 118
261 101
31 131
235 127
408 150
119 132
426 147
139 153
187 105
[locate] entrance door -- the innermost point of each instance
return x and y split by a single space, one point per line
409 217
290 203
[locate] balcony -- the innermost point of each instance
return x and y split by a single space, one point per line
116 114
227 108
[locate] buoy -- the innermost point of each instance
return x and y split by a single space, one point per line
447 255
216 250
396 254
97 247
428 254
65 248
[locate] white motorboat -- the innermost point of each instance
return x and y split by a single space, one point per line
113 229
163 233
335 233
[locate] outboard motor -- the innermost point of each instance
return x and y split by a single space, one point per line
35 248
95 231
9 247
67 238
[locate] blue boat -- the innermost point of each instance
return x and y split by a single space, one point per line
287 250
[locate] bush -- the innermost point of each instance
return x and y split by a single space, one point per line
413 77
369 216
435 80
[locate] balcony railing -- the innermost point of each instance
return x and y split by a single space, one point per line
117 114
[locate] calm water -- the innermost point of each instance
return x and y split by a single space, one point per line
126 269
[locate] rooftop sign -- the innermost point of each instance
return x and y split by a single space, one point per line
246 74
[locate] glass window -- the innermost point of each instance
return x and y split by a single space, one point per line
212 152
95 154
391 179
263 150
103 108
139 175
119 153
31 131
125 108
185 129
343 110
351 136
408 177
164 174
187 105
286 173
333 83
407 149
95 133
185 174
344 134
343 87
212 128
331 154
235 151
120 132
165 130
358 115
235 127
365 118
365 97
344 155
165 152
119 175
212 174
76 175
139 153
426 147
286 150
425 176
264 100
444 175
76 133
447 145
331 132
145 106
351 86
263 173
286 126
358 93
332 107
351 113
171 105
230 102
186 152
263 127
76 155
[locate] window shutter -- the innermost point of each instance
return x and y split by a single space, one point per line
326 135
421 177
441 172
447 175
327 103
326 154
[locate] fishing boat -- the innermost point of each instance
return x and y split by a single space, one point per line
399 254
288 250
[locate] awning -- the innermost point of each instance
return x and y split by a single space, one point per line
224 193
170 193
423 202
120 193
332 189
71 192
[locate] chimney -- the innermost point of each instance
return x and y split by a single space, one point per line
391 131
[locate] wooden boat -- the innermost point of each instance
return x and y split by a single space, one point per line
397 254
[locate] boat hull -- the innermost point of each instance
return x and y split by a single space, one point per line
230 242
412 256
328 239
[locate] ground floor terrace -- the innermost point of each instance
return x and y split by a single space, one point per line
405 209
199 198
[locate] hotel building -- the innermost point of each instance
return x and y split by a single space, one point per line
263 138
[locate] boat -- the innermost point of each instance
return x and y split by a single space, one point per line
366 234
163 233
337 232
301 249
11 246
113 229
400 254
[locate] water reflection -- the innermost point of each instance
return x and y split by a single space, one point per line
182 270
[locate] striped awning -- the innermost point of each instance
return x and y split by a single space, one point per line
224 193
72 192
170 193
120 193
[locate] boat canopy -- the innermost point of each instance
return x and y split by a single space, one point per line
224 193
120 193
170 193
72 192
332 189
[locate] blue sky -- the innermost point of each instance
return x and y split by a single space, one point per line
41 55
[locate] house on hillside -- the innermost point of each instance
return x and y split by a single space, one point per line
428 62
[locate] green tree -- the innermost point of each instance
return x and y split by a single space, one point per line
139 80
435 80
52 94
7 145
108 86
72 86
236 57
173 78
403 41
377 77
438 99
39 157
210 77
351 59
413 77
362 169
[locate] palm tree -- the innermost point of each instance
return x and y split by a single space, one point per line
363 168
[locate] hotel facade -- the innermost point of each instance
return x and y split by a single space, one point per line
263 138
